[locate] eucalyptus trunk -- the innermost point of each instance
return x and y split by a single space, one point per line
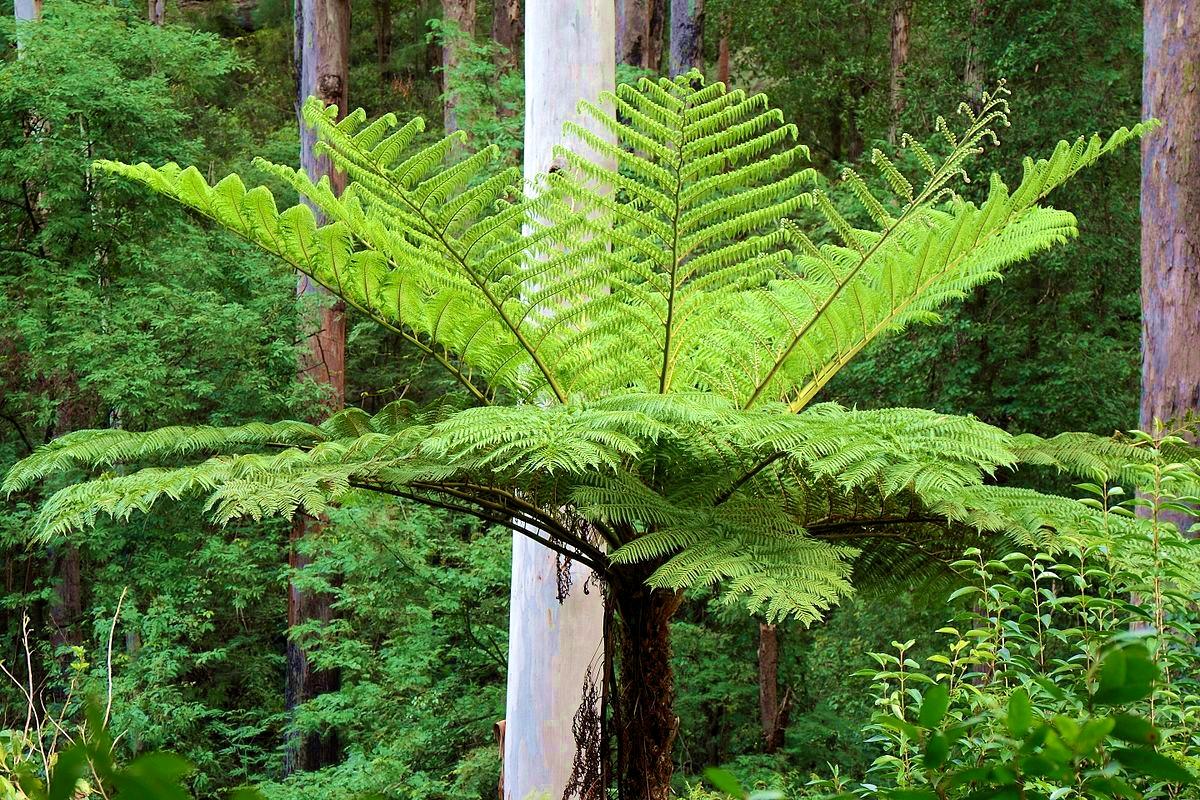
687 35
322 45
556 637
901 12
1171 216
461 14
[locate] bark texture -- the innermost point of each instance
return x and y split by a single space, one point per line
553 645
462 14
1171 215
654 44
322 62
774 712
383 39
901 13
156 11
645 719
687 36
508 28
633 32
973 71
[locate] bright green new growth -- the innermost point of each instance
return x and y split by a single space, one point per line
642 341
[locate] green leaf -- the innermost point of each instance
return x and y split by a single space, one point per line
1020 713
934 706
1134 729
937 750
1147 762
724 782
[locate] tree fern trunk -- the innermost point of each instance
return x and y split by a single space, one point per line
644 716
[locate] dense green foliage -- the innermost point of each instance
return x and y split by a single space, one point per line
117 311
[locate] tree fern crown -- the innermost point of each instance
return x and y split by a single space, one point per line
642 335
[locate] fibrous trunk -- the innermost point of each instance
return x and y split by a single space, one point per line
644 713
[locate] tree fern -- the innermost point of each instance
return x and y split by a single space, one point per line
642 334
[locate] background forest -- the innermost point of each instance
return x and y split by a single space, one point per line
117 311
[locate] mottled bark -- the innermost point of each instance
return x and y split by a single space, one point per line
156 11
645 720
1171 215
687 36
901 12
461 13
553 645
773 711
322 61
383 38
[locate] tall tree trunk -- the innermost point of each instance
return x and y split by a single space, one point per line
27 10
462 14
383 39
973 71
322 62
899 51
156 11
633 33
66 611
554 647
773 711
1171 215
645 719
508 26
654 43
687 36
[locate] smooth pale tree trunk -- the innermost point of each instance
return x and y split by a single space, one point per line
1171 215
27 10
322 61
687 36
462 14
156 11
901 13
553 647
